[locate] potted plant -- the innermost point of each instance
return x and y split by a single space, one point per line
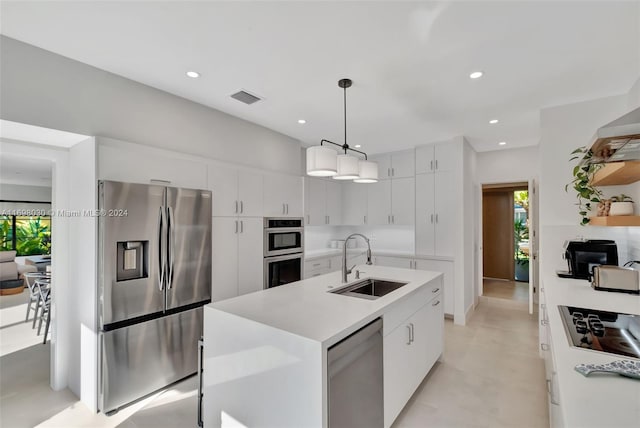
586 194
621 205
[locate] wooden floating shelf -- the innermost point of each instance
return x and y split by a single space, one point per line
615 220
616 173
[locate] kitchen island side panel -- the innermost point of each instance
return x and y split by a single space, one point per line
251 369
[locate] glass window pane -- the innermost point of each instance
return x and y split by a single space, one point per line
6 233
33 235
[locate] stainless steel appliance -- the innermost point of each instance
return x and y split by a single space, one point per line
283 251
355 379
283 236
618 140
615 278
603 331
154 278
582 256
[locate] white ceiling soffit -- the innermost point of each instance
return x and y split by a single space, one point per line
39 135
25 171
409 61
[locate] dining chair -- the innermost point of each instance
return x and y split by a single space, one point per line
30 278
44 292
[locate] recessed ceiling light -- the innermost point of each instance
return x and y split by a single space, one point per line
357 146
193 74
493 121
476 74
302 121
502 143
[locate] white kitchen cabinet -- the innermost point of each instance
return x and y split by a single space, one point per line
379 203
282 196
396 165
235 192
436 157
391 202
410 350
403 201
436 214
354 203
139 164
236 261
322 202
444 266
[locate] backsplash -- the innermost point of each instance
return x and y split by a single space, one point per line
391 238
633 244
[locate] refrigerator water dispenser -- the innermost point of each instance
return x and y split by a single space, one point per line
133 260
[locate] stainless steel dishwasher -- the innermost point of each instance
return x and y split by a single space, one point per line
355 379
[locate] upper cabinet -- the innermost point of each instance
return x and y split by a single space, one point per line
436 157
236 192
395 165
282 196
322 202
354 203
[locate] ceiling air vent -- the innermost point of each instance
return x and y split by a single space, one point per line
245 97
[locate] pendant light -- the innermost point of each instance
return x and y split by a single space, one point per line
322 161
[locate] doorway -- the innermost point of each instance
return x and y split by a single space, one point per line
505 232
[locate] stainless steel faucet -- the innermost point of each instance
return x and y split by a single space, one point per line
346 271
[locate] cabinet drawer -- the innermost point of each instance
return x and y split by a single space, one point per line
316 272
317 264
410 304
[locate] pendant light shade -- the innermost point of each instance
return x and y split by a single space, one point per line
347 168
368 172
321 161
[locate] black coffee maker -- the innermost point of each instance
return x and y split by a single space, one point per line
582 256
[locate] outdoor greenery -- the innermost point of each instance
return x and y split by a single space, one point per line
32 235
521 226
586 194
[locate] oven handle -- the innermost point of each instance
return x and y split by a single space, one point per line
283 229
285 257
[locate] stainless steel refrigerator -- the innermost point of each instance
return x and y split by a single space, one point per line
154 276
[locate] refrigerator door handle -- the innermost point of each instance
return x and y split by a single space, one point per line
200 370
170 249
161 253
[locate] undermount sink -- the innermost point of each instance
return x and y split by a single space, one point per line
370 288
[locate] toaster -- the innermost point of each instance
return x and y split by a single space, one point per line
615 278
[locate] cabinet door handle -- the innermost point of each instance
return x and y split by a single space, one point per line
544 322
241 226
436 163
393 219
436 218
388 219
435 291
236 211
413 338
431 167
236 226
409 342
393 172
241 207
431 218
552 398
308 219
436 303
388 172
544 346
542 305
316 264
365 219
282 208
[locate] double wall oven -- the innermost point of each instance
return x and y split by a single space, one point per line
283 251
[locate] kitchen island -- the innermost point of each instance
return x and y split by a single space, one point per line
600 400
265 353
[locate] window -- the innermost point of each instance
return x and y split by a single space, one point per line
27 235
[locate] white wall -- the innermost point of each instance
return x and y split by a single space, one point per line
41 88
507 166
18 192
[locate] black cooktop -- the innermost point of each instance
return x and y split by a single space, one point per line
610 332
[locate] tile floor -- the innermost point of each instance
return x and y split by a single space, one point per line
503 289
490 376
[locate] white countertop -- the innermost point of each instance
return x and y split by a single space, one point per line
307 309
596 401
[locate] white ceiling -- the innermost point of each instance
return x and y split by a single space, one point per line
410 61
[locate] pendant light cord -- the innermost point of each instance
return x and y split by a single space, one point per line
345 120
